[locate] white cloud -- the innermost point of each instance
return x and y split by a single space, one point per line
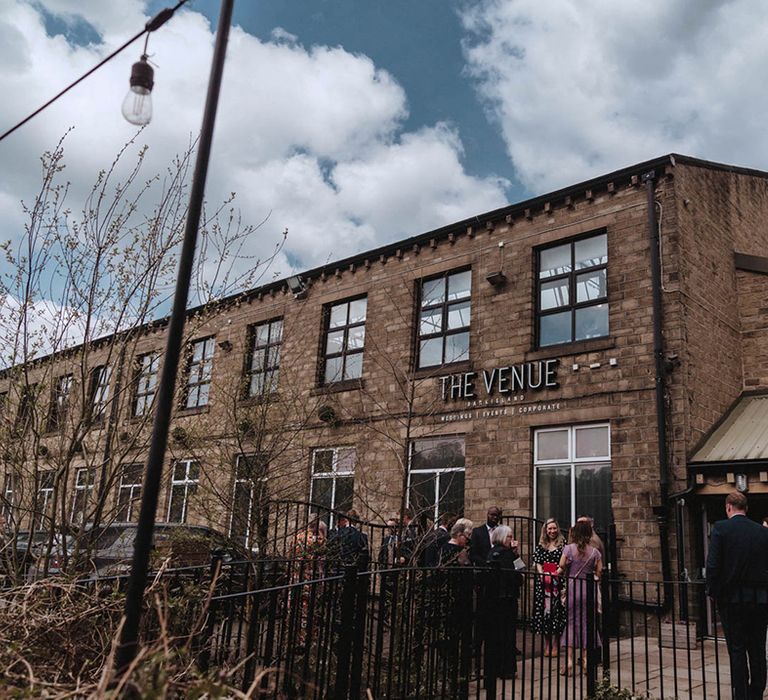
579 89
313 135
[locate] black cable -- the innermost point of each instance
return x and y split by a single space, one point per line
156 22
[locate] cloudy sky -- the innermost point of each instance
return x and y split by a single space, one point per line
353 123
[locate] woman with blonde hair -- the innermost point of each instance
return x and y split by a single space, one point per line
548 611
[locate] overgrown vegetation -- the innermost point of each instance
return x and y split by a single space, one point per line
57 640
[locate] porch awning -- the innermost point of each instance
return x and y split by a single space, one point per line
742 435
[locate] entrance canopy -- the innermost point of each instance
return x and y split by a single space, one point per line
742 434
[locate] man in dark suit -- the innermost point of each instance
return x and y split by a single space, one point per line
737 578
436 539
480 543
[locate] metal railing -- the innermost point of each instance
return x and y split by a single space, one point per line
452 633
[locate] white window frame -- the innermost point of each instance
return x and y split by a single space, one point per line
9 499
571 462
184 485
146 383
44 495
334 474
268 369
200 373
251 485
82 488
131 487
438 472
101 379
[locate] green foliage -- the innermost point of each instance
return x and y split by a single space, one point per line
606 691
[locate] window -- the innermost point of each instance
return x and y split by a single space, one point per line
573 474
62 392
8 503
199 373
436 477
100 377
248 498
264 357
344 340
84 479
572 291
46 483
186 476
333 476
147 367
445 310
129 493
25 413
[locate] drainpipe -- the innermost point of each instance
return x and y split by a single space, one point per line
661 511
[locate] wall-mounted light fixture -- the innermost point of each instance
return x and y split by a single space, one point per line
226 345
297 286
498 279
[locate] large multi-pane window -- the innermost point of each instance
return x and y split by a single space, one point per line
84 480
147 368
60 400
248 498
46 484
436 476
100 377
263 367
444 316
572 291
572 466
199 372
333 477
184 482
344 340
129 492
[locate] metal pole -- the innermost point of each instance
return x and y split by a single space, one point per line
164 401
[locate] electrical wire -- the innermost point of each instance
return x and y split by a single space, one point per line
155 23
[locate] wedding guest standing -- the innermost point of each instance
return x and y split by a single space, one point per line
583 565
548 610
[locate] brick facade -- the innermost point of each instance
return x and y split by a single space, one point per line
714 329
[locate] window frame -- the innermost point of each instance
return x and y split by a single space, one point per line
345 351
572 462
145 383
267 369
334 474
572 276
187 484
199 373
8 505
99 399
44 494
84 491
444 307
133 489
438 471
61 401
252 483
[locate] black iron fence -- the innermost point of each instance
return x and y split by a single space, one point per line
463 633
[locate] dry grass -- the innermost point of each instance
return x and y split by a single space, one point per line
58 639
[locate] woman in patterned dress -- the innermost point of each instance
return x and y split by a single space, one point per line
548 610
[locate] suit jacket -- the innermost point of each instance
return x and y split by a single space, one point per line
737 563
480 545
433 543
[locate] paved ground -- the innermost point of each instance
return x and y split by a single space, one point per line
700 673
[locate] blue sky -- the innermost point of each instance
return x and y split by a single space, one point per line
355 124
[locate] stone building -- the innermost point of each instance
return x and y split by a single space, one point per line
601 349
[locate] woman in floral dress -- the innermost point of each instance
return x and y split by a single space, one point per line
548 610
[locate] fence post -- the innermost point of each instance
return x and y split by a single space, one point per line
491 624
361 609
591 613
346 632
605 587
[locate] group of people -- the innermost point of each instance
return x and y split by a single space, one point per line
564 573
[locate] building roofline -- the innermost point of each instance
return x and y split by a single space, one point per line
628 174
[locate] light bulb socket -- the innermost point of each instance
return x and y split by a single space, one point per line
142 75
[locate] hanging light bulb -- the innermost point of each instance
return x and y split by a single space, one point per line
137 105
